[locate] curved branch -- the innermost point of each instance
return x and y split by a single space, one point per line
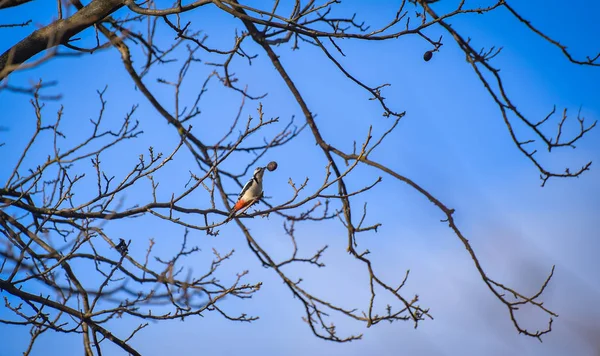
58 32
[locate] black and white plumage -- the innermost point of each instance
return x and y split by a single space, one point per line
251 193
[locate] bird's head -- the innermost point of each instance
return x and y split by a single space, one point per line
258 172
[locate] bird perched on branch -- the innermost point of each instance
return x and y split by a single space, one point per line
252 191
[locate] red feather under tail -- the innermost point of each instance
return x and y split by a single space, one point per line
241 204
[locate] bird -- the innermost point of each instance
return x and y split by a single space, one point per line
251 192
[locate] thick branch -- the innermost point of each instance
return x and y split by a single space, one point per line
4 4
56 33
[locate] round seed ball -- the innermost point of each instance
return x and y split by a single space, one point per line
427 56
272 166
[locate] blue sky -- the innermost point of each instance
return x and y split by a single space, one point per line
452 141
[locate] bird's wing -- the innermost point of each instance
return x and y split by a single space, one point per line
246 187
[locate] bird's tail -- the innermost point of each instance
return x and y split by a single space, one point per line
231 214
239 205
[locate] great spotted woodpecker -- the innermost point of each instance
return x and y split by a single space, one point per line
251 192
